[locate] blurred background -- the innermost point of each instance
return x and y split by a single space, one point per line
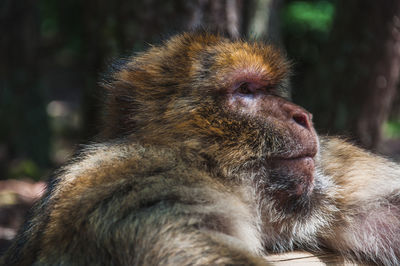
346 57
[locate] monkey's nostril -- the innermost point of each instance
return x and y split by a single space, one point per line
301 119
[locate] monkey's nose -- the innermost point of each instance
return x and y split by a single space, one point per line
302 119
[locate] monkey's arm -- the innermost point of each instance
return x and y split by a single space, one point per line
130 205
368 223
173 233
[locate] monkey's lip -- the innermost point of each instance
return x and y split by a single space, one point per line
305 157
297 157
303 162
310 151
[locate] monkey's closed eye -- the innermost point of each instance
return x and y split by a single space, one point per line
250 88
245 88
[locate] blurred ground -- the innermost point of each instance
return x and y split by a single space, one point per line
16 198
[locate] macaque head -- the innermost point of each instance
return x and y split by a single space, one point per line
227 101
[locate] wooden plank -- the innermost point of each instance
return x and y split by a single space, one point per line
300 258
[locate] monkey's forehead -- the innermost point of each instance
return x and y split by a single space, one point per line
235 61
208 58
226 58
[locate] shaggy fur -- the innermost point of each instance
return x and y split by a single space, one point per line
185 172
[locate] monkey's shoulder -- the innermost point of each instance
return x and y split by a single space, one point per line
105 165
127 174
110 184
367 176
337 153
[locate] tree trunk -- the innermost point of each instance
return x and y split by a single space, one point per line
24 128
359 70
384 78
264 22
224 16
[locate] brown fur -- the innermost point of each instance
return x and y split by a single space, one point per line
195 170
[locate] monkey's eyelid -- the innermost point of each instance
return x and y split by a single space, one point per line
248 88
245 88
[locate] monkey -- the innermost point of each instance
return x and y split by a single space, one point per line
204 160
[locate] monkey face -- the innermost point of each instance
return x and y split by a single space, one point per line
290 140
254 123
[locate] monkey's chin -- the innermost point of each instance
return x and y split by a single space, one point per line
296 175
306 169
292 184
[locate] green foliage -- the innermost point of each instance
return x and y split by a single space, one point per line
63 21
391 129
23 169
306 15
